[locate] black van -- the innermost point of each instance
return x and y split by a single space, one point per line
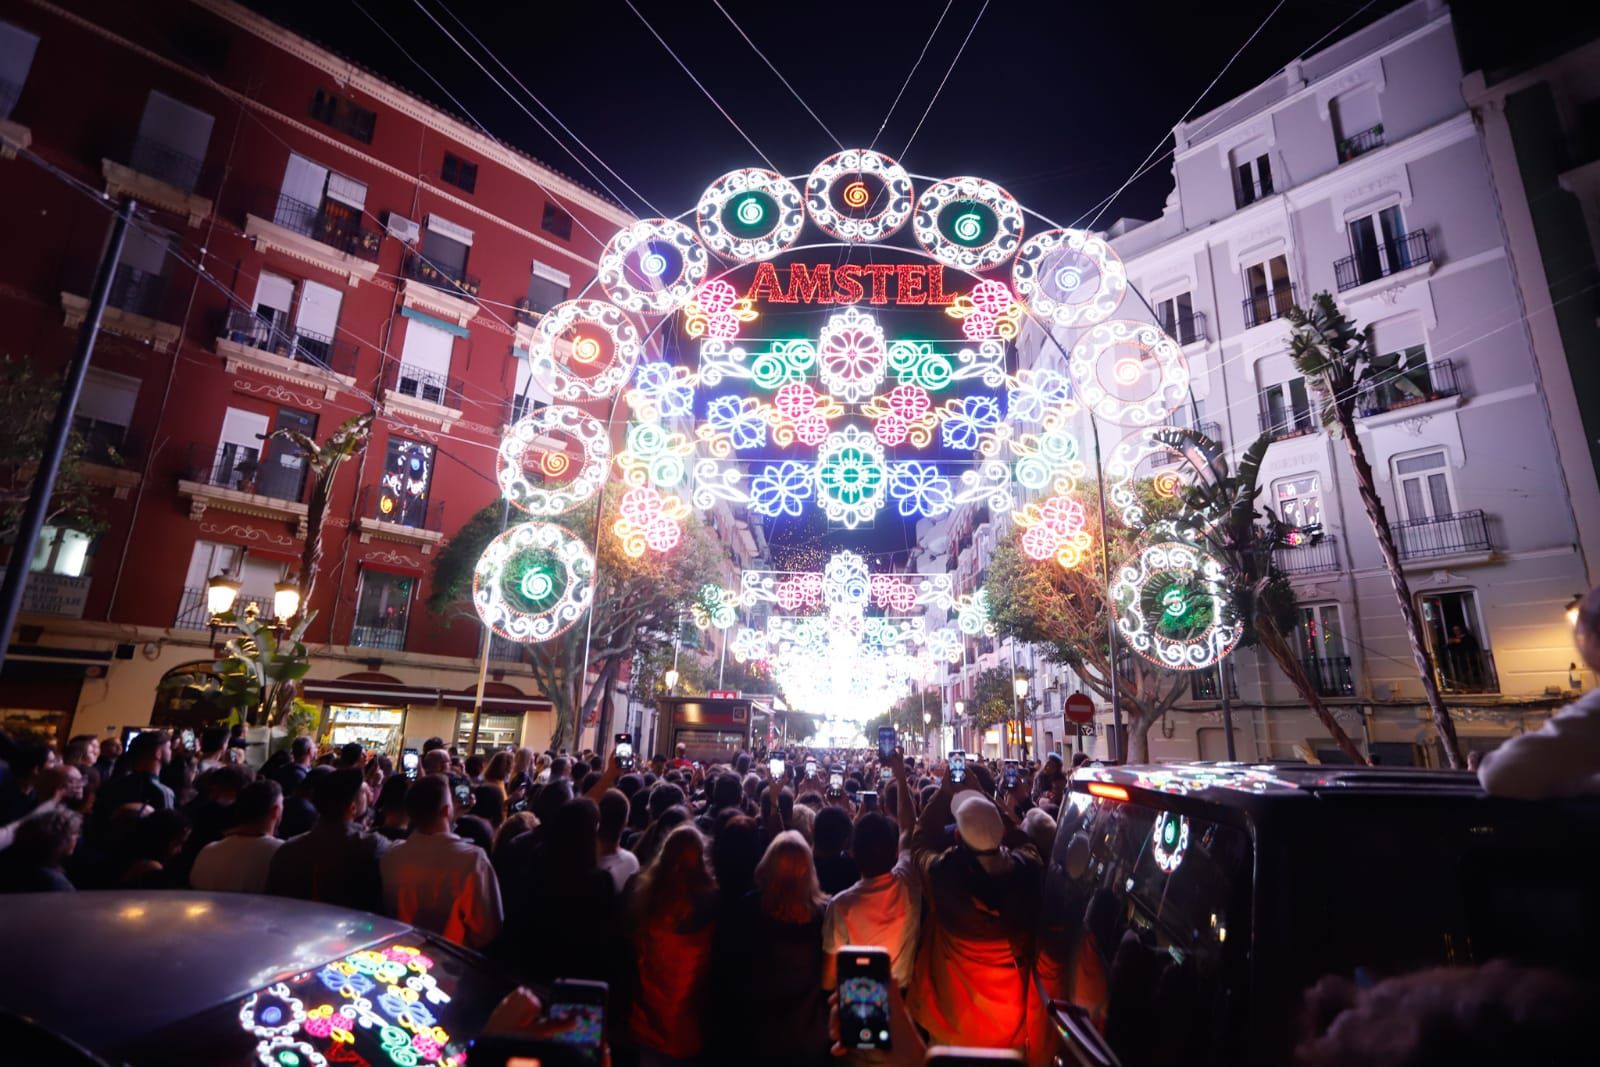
1188 907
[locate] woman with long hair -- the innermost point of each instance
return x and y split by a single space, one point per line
673 923
498 772
768 962
562 922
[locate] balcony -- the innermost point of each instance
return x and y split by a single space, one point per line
1312 557
1432 381
1470 671
1410 254
431 287
1283 423
419 523
158 174
293 355
1205 685
421 393
110 458
13 135
387 633
1187 329
1465 533
241 479
328 235
194 615
1264 306
506 650
1329 675
134 308
1246 193
1359 144
528 312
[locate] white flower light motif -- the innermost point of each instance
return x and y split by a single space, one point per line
853 356
851 476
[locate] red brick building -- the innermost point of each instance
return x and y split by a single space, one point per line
315 243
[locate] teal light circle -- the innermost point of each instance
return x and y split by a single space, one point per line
968 223
750 214
534 581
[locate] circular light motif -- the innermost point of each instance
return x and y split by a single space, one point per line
533 582
1173 608
287 1052
969 223
748 215
851 477
653 266
592 334
536 445
853 358
1129 373
273 1012
1169 840
1122 466
1069 277
852 218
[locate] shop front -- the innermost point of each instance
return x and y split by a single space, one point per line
384 714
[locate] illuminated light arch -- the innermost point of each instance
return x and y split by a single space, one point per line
1121 468
852 356
1070 277
592 333
968 223
533 582
860 168
1130 373
653 267
1172 607
750 214
851 477
527 444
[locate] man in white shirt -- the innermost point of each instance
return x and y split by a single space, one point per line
884 907
615 860
436 880
240 861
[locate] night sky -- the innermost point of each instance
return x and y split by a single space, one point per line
1057 102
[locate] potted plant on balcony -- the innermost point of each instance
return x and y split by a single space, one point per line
244 475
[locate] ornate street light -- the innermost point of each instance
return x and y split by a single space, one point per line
1020 687
221 592
285 601
671 678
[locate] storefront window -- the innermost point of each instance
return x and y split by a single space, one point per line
374 729
494 732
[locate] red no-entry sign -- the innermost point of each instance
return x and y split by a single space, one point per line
1080 709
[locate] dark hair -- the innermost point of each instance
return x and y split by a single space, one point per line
560 767
225 779
877 845
662 797
550 797
147 745
613 814
630 784
475 766
489 802
432 743
588 783
428 797
42 837
301 747
213 738
735 851
336 791
831 830
570 839
393 793
156 833
727 792
350 754
314 778
476 829
257 800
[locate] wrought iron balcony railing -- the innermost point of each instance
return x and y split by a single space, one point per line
1185 329
248 470
1320 557
1434 381
1205 685
138 292
1285 422
1466 671
445 279
304 346
1382 260
408 379
1443 535
385 632
1248 192
1268 304
194 614
402 509
1360 143
333 223
1330 675
165 163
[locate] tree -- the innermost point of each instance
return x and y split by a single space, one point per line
324 461
905 715
1065 612
27 407
1339 361
1219 511
637 603
256 681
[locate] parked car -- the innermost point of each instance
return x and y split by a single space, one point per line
1187 908
225 979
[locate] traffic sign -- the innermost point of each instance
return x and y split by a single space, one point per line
723 694
1079 709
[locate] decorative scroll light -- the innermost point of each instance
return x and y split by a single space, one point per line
968 223
583 349
538 475
653 266
533 582
1173 608
748 215
859 195
1129 373
1069 278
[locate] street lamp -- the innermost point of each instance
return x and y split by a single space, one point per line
285 601
1020 687
671 678
221 592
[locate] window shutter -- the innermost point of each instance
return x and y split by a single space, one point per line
427 348
347 191
146 251
304 181
274 291
243 428
319 309
16 58
184 129
108 397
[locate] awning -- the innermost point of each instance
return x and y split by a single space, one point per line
354 691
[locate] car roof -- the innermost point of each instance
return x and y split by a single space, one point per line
103 967
1259 784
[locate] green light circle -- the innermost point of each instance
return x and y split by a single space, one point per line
749 214
968 223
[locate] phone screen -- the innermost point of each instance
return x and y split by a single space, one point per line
775 766
869 801
863 997
811 768
835 783
886 741
585 1003
625 751
410 761
884 774
958 766
1011 774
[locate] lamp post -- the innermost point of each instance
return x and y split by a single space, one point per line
957 736
927 722
1019 689
671 678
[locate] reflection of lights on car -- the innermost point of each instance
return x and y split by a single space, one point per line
194 911
132 912
1169 840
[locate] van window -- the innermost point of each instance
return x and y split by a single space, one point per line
1146 922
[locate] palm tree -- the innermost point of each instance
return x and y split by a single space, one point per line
323 460
1219 510
1338 360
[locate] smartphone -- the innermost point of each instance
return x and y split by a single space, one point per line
958 766
886 742
585 1002
835 783
864 997
624 751
869 801
463 792
186 739
1011 774
775 765
410 762
884 774
811 768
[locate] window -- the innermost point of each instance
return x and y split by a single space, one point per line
424 370
1286 409
283 467
1299 500
546 288
1356 128
256 575
1176 315
321 204
1270 293
556 221
343 115
316 321
1424 486
494 732
61 550
172 141
445 247
140 284
529 395
459 173
17 47
1252 176
237 461
1458 642
382 605
1320 636
403 486
105 409
1378 246
315 318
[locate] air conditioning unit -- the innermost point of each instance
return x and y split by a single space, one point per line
402 228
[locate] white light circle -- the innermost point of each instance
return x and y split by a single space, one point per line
851 163
653 267
1184 573
1129 373
971 249
533 436
497 568
581 332
788 214
1069 277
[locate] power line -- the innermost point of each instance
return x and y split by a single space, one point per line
947 73
913 73
792 91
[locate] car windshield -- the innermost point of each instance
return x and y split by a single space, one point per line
1145 925
407 1002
